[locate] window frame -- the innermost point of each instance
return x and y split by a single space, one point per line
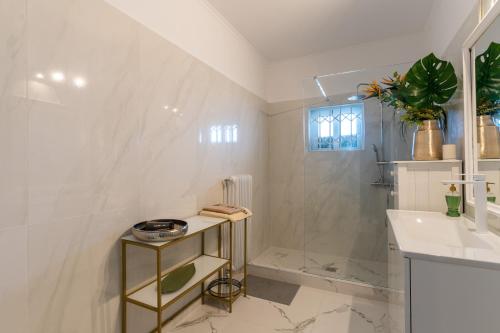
336 127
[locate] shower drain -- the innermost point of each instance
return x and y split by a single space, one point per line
330 268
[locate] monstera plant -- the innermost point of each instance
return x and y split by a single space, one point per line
428 85
419 96
488 80
420 93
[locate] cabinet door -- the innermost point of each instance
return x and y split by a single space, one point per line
454 298
398 277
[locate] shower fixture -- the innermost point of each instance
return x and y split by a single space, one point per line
358 96
320 87
375 150
381 178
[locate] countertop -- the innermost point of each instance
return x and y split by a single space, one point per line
437 237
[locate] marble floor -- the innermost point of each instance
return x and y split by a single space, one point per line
312 311
362 271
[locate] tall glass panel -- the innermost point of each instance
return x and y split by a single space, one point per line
349 143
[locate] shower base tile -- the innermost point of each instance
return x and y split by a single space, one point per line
357 270
345 275
312 311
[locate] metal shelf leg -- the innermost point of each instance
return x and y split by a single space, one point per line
230 267
124 287
245 260
158 281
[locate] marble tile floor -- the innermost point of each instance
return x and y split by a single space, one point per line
327 265
312 311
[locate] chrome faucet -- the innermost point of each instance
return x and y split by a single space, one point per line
481 206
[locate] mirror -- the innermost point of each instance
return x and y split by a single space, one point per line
483 116
486 55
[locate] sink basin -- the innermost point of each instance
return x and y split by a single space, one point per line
440 229
435 235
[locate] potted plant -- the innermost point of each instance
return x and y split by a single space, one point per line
487 68
420 95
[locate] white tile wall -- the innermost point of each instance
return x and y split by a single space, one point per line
80 165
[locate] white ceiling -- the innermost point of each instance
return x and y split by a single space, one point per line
282 29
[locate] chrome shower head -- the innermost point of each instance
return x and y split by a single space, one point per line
358 97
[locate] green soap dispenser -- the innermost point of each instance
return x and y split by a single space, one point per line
489 195
453 199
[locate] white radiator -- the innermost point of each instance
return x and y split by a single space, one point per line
237 192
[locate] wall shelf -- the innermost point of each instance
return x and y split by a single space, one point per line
426 162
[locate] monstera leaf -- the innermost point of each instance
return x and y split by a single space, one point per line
488 77
429 83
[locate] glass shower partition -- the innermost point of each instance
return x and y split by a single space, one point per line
349 143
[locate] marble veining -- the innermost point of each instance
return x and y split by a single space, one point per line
322 202
327 265
297 327
103 123
312 311
204 318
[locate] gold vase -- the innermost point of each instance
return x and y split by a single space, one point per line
488 138
427 142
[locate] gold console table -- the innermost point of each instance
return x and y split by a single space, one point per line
148 294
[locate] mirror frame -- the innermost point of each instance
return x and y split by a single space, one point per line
482 12
469 86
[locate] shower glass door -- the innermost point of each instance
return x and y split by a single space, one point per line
347 180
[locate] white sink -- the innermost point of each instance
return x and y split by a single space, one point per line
436 236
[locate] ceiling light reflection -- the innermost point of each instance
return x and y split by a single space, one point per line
57 76
40 76
79 82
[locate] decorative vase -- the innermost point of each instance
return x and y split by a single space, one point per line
488 138
427 141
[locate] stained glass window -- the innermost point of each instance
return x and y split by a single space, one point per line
338 127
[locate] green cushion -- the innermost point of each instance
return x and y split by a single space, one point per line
176 279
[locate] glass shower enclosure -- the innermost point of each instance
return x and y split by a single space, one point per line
349 142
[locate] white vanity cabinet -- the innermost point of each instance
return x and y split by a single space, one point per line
399 283
446 278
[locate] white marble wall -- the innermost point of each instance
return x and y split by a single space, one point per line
286 175
322 202
79 165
